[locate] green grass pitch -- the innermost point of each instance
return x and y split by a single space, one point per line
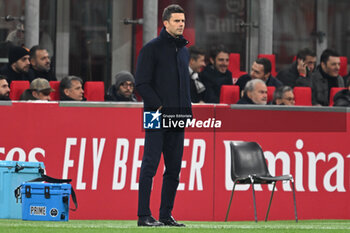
102 226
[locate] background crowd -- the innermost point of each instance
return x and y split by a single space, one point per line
208 72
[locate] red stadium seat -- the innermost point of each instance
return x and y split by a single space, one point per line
334 90
235 66
55 95
302 96
272 59
270 91
17 88
94 91
343 66
229 94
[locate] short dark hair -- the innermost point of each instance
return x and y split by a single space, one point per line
173 8
215 50
305 52
32 51
328 53
195 52
66 83
266 64
3 77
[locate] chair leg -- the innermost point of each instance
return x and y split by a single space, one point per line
295 202
255 214
268 209
229 205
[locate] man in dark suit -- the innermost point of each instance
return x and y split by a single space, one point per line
162 80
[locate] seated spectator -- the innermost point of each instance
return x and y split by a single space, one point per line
216 74
299 72
325 77
196 64
4 88
123 89
342 98
261 69
18 65
255 92
283 96
71 89
40 64
39 89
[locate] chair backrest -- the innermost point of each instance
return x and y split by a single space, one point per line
247 158
270 91
343 71
303 96
229 94
234 66
334 90
55 95
272 59
94 91
17 88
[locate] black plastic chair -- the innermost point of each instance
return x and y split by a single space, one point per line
248 166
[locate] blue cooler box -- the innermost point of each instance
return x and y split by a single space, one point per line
12 175
45 201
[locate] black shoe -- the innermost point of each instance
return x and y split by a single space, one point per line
170 221
148 221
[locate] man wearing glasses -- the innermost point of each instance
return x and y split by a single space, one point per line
123 89
283 96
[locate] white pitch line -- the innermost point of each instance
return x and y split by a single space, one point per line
195 226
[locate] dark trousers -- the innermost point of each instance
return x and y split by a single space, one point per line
171 144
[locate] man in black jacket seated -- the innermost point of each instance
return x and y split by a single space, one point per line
261 69
18 65
123 89
216 74
255 92
71 89
298 74
40 64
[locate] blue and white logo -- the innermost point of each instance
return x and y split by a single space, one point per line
151 120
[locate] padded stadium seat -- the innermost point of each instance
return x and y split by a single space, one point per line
303 96
343 66
270 91
17 88
55 95
334 90
94 91
272 59
229 94
235 66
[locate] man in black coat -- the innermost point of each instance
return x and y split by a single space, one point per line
123 89
162 80
261 69
40 64
216 73
298 74
18 65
